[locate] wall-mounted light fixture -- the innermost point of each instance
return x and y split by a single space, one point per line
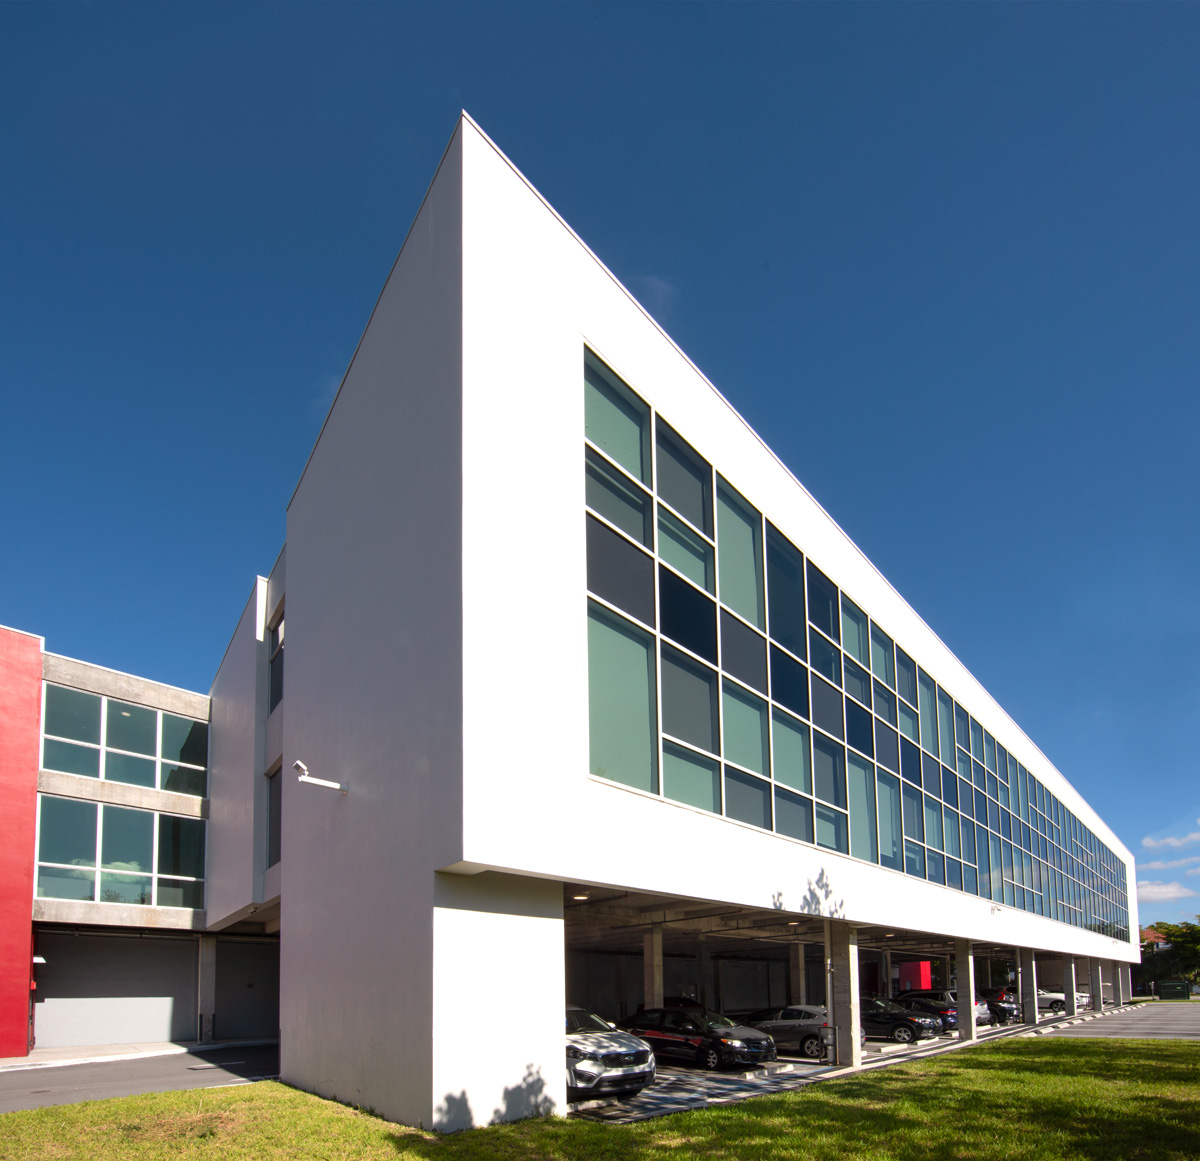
304 776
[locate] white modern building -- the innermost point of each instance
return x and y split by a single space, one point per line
594 702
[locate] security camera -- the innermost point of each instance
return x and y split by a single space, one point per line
300 768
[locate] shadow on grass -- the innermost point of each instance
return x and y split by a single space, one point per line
1033 1100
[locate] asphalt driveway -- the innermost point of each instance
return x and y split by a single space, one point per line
32 1088
1157 1020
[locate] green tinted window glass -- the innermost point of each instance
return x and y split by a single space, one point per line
62 883
933 823
126 768
883 657
184 780
127 839
131 727
180 893
914 820
684 479
929 730
945 716
682 549
950 830
908 723
184 740
739 556
891 833
615 420
906 677
860 778
181 846
71 713
855 638
831 829
126 889
622 692
829 770
745 729
68 832
792 762
689 778
609 493
70 758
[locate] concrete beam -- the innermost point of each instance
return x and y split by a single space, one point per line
652 967
846 1015
123 686
964 962
119 794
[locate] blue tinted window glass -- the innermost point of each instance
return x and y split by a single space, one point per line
789 682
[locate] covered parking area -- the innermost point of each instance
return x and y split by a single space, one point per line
627 949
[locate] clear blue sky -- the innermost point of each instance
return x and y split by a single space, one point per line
945 257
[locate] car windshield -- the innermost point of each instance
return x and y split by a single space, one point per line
716 1020
880 1005
581 1021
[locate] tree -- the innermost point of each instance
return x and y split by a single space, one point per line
1179 959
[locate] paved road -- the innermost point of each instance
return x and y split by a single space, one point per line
1154 1021
34 1087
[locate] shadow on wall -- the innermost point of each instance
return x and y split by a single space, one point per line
817 900
528 1098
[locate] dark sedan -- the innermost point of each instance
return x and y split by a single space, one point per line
886 1018
700 1038
1003 1003
947 1013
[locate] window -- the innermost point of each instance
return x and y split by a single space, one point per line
619 572
861 784
118 741
785 589
829 771
855 635
684 479
691 778
109 854
688 616
790 753
891 834
789 682
793 815
746 737
617 499
274 816
685 550
826 659
689 701
739 556
747 799
743 652
615 419
275 666
621 702
929 724
883 661
823 603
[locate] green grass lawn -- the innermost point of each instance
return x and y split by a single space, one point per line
1017 1099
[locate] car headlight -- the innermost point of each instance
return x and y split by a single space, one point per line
574 1053
733 1043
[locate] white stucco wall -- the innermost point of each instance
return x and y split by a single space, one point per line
236 854
532 297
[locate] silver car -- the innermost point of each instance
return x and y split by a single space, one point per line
797 1026
603 1061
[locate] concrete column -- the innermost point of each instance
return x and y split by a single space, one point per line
796 981
1127 985
1117 974
1068 986
846 1014
827 967
707 992
206 992
652 967
1027 972
1096 984
887 974
964 968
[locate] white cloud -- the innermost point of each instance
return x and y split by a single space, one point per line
1152 892
1176 841
1167 864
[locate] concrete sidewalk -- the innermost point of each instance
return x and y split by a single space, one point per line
101 1053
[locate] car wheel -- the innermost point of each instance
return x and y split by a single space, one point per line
903 1034
1058 1007
812 1048
709 1058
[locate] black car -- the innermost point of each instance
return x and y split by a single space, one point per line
886 1018
947 1013
704 1039
1003 1003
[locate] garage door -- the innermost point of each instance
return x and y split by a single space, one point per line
99 989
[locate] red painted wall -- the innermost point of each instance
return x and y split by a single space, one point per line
20 721
916 977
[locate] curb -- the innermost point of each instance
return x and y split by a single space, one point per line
167 1050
